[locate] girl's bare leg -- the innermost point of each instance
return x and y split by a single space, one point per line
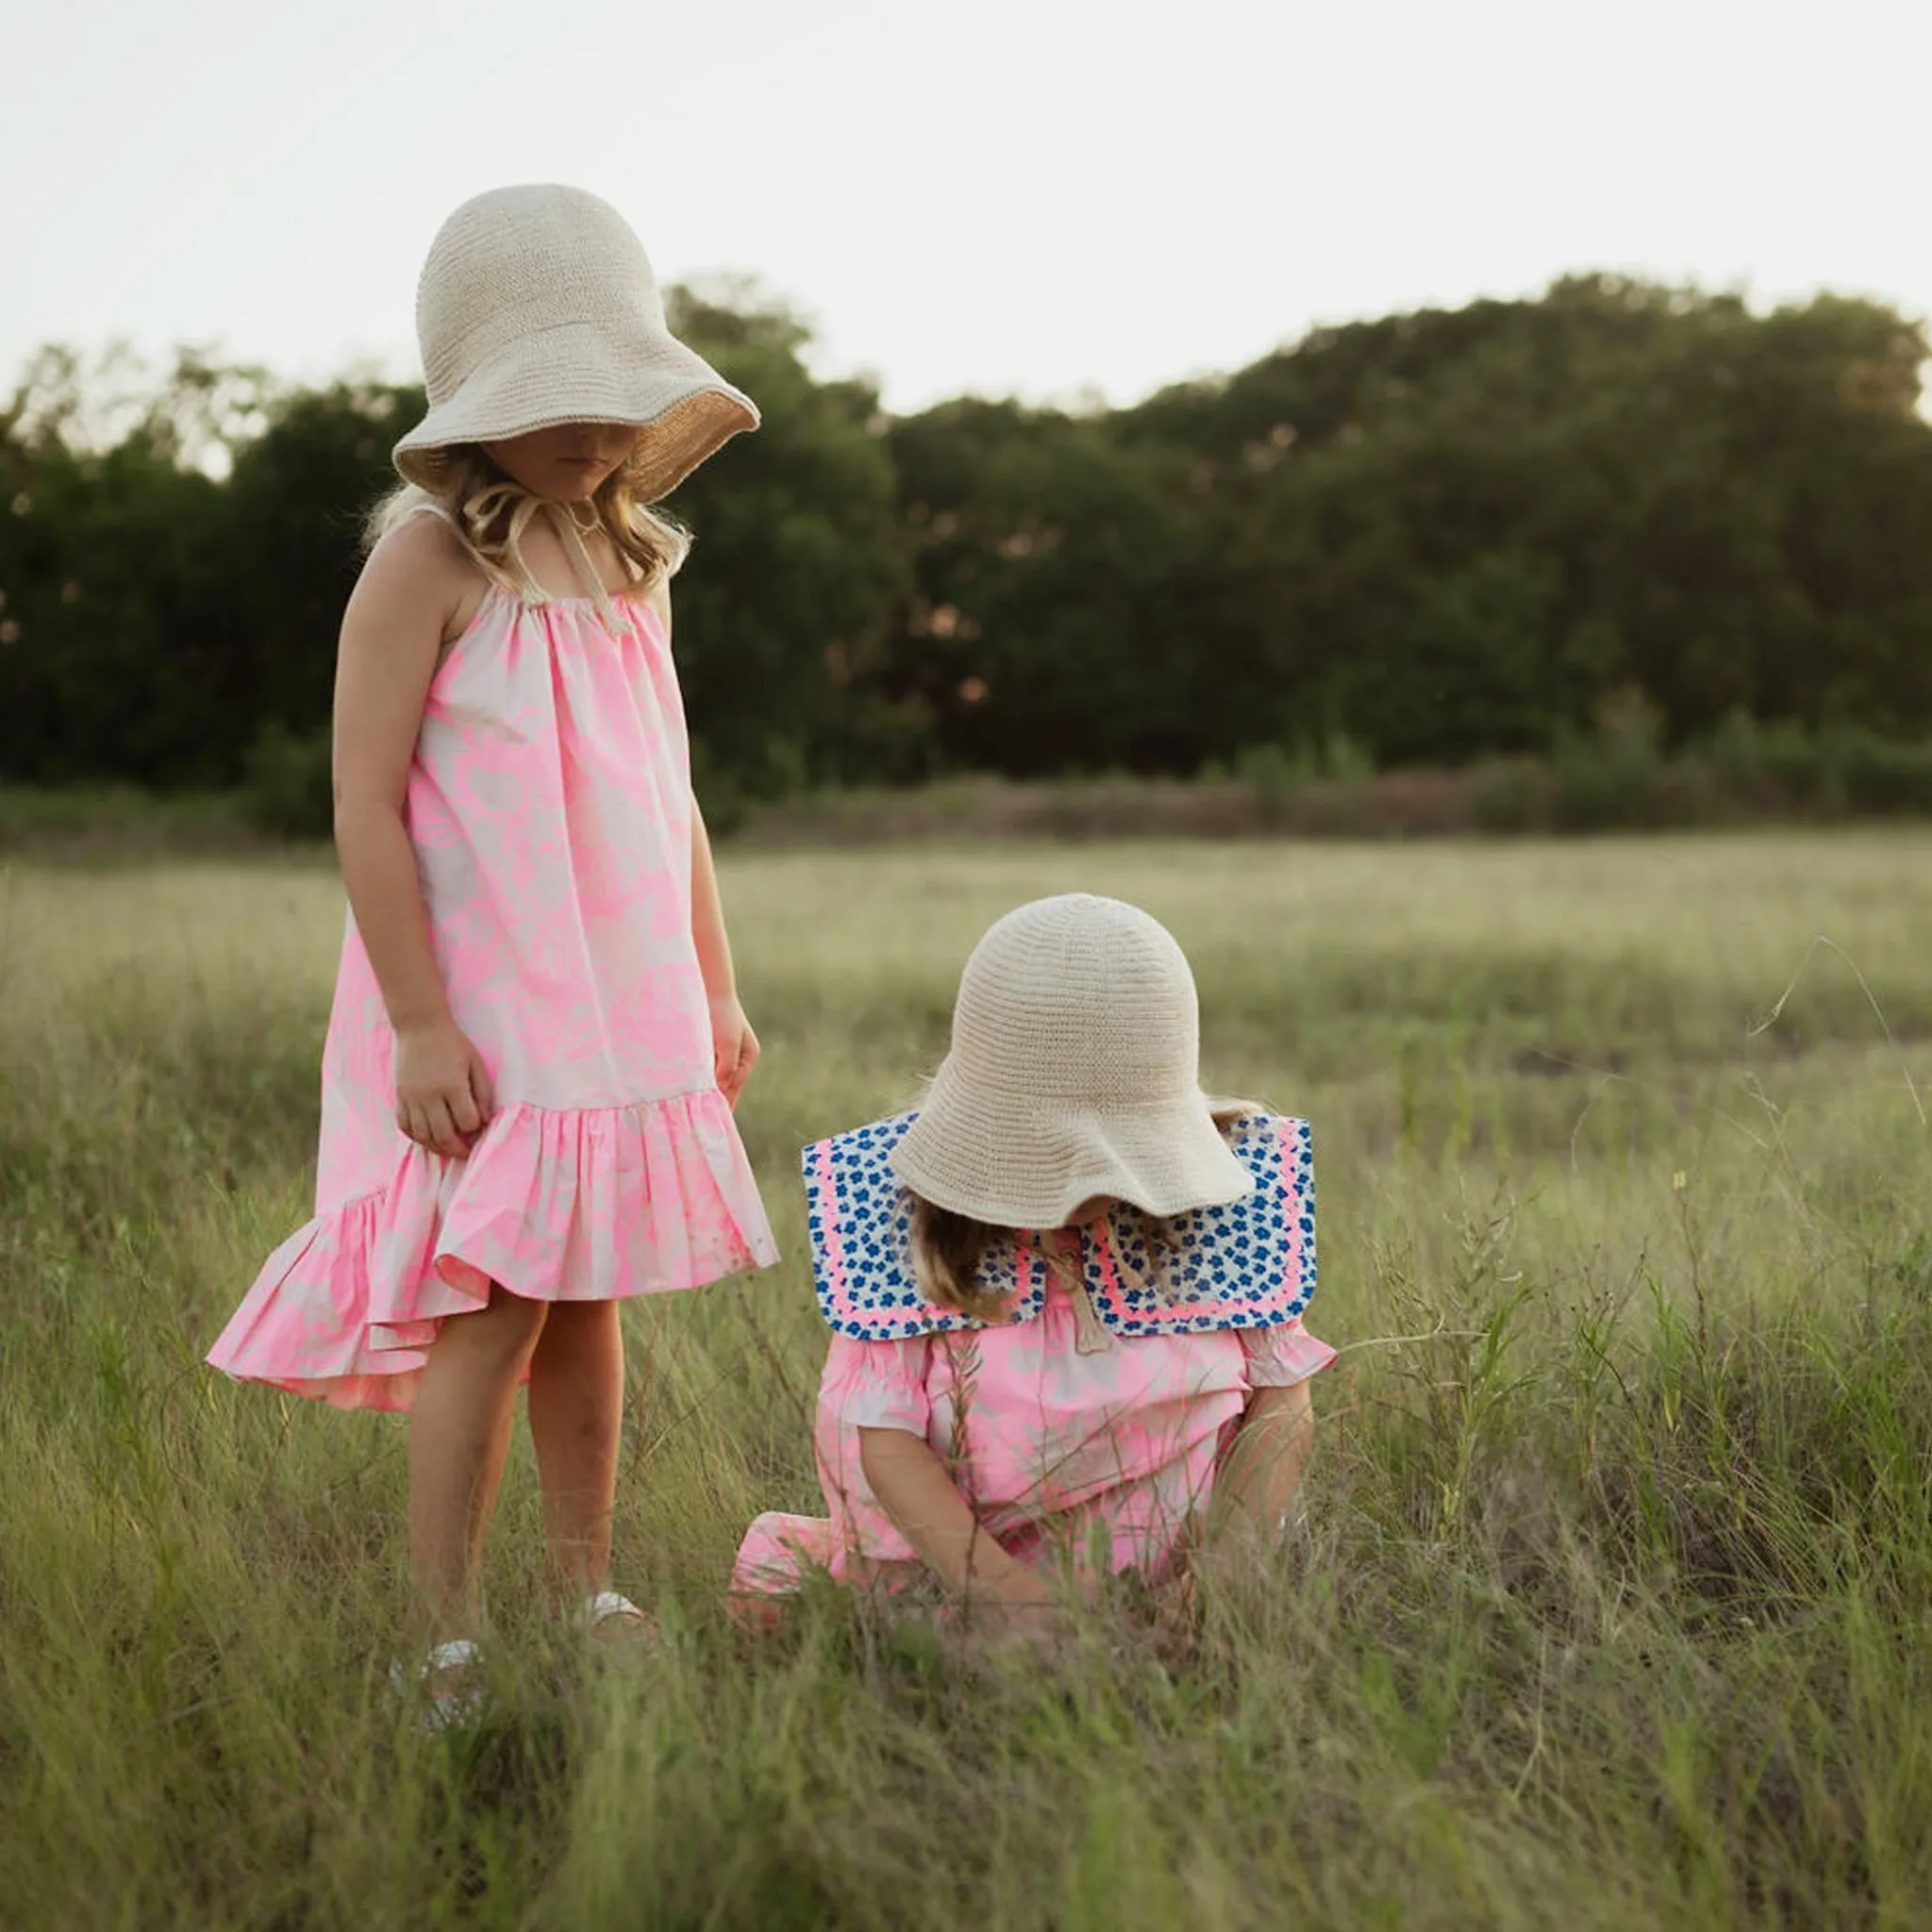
577 1417
458 1437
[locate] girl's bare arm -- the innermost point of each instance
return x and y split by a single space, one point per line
1264 1468
734 1046
913 1488
707 914
406 600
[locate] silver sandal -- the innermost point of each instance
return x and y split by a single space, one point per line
454 1709
604 1607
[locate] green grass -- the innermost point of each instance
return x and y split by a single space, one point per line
1612 1610
111 824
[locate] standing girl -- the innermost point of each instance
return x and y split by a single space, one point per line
1065 1297
536 1040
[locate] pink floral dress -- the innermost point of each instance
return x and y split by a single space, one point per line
549 805
1092 1432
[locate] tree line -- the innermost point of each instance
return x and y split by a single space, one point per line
1423 540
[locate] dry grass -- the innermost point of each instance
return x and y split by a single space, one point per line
1612 1607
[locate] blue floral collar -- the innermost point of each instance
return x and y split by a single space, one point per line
1249 1265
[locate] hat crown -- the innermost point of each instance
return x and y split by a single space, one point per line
1073 1076
514 262
1082 1000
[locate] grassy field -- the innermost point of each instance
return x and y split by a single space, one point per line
1612 1610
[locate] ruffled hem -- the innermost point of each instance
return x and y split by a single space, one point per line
595 1204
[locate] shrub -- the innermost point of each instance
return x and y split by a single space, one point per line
1272 776
1878 777
1512 795
1608 779
287 785
1769 764
1276 775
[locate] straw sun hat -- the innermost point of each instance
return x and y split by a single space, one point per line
1074 1073
536 307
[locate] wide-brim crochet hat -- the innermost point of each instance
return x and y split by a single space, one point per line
1075 1073
536 306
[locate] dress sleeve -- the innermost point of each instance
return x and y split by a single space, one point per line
1279 1357
878 1384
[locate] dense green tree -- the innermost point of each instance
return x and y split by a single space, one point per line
798 572
1465 533
298 496
1438 536
1068 613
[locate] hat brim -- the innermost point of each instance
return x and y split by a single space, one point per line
1022 1163
575 373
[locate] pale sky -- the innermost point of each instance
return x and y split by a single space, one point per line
1032 197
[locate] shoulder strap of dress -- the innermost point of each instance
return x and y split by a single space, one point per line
521 505
563 519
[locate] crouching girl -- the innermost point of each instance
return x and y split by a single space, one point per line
1065 1298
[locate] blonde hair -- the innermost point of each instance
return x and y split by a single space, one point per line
490 514
948 1248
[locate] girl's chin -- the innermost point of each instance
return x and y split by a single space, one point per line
573 487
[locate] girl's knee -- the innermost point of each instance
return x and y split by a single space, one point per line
581 1332
589 1318
504 1330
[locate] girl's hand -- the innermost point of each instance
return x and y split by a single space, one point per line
1031 1626
734 1045
442 1089
1016 1609
996 1628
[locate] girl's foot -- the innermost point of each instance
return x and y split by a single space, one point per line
609 1617
448 1681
